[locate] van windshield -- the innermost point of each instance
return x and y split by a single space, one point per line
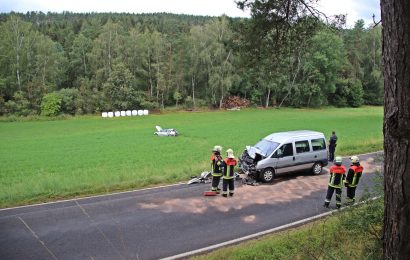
266 147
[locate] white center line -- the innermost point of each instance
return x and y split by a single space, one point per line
35 235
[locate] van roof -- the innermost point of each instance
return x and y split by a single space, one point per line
282 137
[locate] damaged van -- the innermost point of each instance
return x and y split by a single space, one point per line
285 152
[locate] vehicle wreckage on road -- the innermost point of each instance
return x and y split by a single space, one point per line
285 152
165 132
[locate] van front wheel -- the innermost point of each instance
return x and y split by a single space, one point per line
267 175
317 168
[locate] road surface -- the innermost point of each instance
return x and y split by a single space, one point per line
165 221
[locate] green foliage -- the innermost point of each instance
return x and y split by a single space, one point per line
324 61
87 155
283 60
19 105
68 97
349 92
189 102
177 97
51 104
355 97
121 91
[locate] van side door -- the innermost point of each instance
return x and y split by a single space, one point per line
319 150
286 159
303 158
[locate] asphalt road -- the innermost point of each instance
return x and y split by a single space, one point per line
165 221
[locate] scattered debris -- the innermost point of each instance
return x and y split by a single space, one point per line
205 177
210 193
165 132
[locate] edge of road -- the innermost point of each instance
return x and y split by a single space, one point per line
262 233
92 196
124 192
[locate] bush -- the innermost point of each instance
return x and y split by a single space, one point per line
68 98
18 106
50 104
355 97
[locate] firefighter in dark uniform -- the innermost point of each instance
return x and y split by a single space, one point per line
332 146
337 176
352 179
217 168
228 178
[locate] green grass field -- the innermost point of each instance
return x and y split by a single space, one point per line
45 160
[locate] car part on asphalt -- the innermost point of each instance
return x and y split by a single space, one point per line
205 177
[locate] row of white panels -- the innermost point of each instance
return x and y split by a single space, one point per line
125 113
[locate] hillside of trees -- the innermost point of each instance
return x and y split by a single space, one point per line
87 63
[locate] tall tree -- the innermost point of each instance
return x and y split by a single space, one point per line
218 57
396 59
196 46
106 51
373 78
323 62
17 41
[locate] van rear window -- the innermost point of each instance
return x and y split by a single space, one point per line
318 144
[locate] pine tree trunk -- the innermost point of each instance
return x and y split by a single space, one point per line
396 59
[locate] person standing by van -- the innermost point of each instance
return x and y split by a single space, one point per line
217 167
228 180
332 146
337 176
352 179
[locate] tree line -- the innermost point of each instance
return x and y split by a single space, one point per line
87 63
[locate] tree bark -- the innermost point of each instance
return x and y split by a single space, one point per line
19 42
267 98
193 89
396 59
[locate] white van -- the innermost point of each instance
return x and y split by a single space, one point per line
285 152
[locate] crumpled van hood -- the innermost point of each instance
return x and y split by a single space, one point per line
252 151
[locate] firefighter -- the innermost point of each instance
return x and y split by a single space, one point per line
337 176
352 179
217 168
228 177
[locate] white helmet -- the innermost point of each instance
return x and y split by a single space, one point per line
354 159
217 148
229 153
338 159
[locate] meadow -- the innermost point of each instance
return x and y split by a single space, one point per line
48 160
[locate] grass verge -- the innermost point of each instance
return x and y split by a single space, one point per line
47 160
351 234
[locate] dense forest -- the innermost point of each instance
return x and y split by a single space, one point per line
68 63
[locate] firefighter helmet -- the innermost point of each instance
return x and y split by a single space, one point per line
338 159
354 159
229 153
217 148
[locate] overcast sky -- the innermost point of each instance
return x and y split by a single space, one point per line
355 9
